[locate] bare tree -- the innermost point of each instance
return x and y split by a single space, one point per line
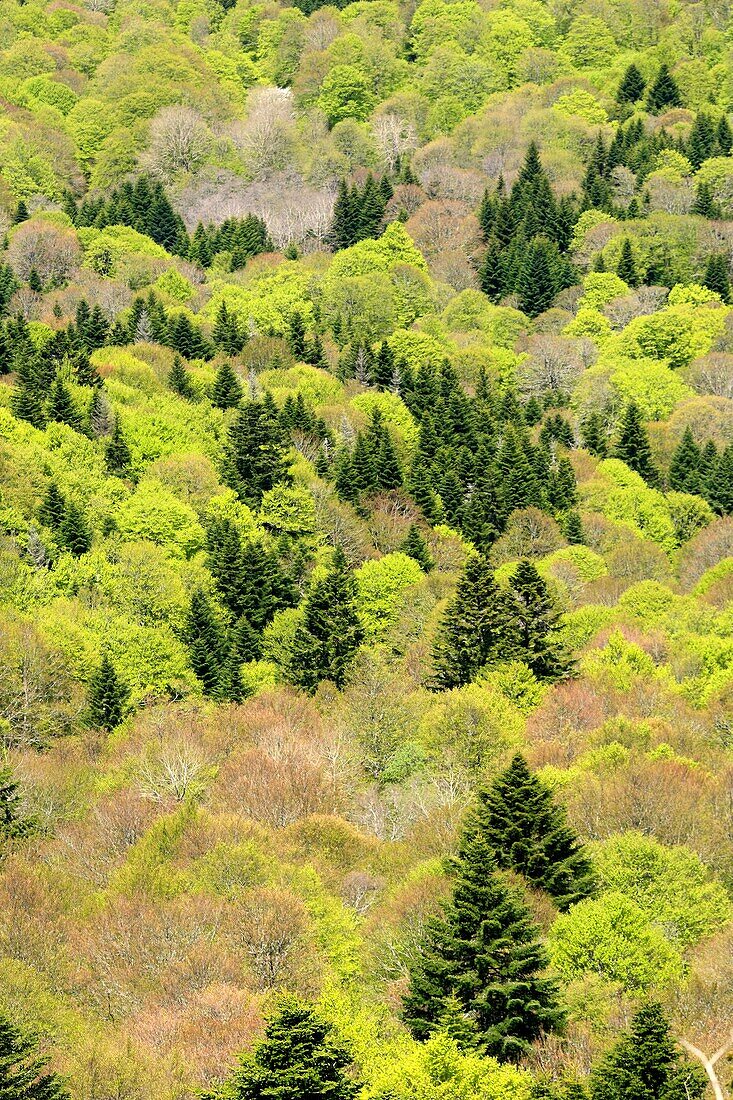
395 136
553 363
179 141
709 1063
51 250
264 139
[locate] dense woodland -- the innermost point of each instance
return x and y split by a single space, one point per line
366 550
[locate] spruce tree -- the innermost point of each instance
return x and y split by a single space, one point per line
61 407
663 93
227 391
528 833
684 468
73 530
644 1064
719 483
594 436
51 511
179 379
205 639
416 547
626 266
704 203
298 1059
117 456
484 950
536 285
535 620
106 698
572 528
632 86
717 276
474 628
14 824
328 637
255 457
23 1070
632 446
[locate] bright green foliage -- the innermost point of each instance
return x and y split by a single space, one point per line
483 950
107 697
298 1057
327 639
645 1063
528 833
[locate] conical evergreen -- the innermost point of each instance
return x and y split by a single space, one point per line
719 486
255 457
528 833
684 468
73 530
632 86
117 456
329 635
417 548
227 391
535 620
179 379
626 266
663 92
61 407
717 276
51 511
23 1071
474 628
206 643
484 950
13 822
644 1064
298 1059
107 697
536 285
594 436
632 446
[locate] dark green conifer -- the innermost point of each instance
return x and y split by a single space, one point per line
14 823
416 547
535 620
51 511
536 285
724 137
632 86
626 267
23 1070
528 833
61 407
572 528
179 379
717 276
704 204
719 483
644 1064
684 468
663 93
330 633
227 391
106 697
205 639
632 446
594 435
255 457
483 949
73 531
117 456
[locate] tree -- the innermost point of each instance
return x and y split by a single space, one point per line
594 436
13 822
484 950
73 531
414 544
206 643
179 379
534 624
107 697
474 627
255 457
632 86
626 267
330 633
226 392
51 511
23 1070
684 468
298 1059
117 456
536 285
717 277
663 92
644 1064
632 446
528 833
61 406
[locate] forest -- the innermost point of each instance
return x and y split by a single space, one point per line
366 550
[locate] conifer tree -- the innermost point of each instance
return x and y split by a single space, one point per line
296 337
484 950
23 1070
474 627
73 531
572 528
704 203
117 456
717 277
61 407
593 434
719 487
724 137
626 266
330 633
205 639
644 1063
100 415
255 457
528 833
632 446
536 285
663 93
684 468
632 86
13 822
534 624
298 1059
416 547
227 391
107 697
179 379
51 511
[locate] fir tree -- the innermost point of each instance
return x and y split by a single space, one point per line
106 698
179 379
719 484
14 824
255 457
724 136
100 415
226 392
117 456
296 337
632 446
528 833
329 634
474 627
663 93
51 511
61 407
717 277
73 531
572 529
416 547
534 625
484 950
704 203
23 1070
626 266
536 285
684 468
298 1059
593 434
644 1064
206 643
632 86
